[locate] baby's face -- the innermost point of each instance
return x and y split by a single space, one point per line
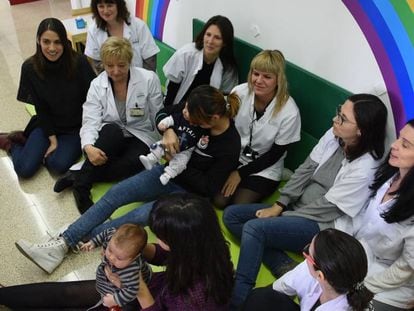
118 257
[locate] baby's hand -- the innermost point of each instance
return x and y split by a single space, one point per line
86 247
162 127
109 301
204 139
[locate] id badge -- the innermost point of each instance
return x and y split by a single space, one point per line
136 112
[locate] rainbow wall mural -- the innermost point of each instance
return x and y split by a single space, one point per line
153 12
388 26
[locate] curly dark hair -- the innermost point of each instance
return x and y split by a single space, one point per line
123 13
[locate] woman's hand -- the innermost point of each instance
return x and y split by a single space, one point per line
170 142
52 145
231 184
144 295
95 155
113 277
273 211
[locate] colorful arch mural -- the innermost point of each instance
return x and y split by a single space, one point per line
153 12
388 26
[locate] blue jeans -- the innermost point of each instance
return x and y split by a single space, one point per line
264 239
142 187
28 158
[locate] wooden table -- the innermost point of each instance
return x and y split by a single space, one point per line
75 35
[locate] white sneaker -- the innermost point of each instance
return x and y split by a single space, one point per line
148 161
47 256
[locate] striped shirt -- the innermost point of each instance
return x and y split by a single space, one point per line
129 276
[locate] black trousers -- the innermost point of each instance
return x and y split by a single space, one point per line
267 299
123 158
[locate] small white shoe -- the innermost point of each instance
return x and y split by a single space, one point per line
47 256
147 161
165 178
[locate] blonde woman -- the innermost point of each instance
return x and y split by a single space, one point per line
268 122
118 122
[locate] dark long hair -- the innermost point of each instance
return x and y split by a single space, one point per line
205 101
343 261
402 209
68 58
227 33
123 13
198 250
371 118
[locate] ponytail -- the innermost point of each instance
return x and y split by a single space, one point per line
359 297
232 105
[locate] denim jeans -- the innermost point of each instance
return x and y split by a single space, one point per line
142 187
28 158
264 239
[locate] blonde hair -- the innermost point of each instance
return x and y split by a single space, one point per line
115 47
131 238
272 62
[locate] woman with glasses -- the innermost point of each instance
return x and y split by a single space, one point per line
330 278
325 191
386 227
268 122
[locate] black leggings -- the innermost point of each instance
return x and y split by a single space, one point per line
251 189
123 158
79 295
267 299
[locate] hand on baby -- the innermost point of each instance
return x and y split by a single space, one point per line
273 211
109 301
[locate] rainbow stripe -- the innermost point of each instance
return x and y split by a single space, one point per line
153 12
388 26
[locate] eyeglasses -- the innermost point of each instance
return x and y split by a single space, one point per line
340 117
308 256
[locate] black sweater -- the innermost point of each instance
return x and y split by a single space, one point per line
57 99
208 169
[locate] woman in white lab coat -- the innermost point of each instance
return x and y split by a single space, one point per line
112 18
118 122
330 278
386 228
209 60
268 121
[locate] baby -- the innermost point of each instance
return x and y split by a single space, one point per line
121 256
189 136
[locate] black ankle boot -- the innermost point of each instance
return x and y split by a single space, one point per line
64 182
83 199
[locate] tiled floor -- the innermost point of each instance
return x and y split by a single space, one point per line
29 207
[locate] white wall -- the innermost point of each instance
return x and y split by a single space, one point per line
320 36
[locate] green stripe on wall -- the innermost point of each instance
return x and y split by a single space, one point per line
406 16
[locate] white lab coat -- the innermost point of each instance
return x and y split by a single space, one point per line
184 65
390 252
282 129
350 191
137 33
300 282
144 93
